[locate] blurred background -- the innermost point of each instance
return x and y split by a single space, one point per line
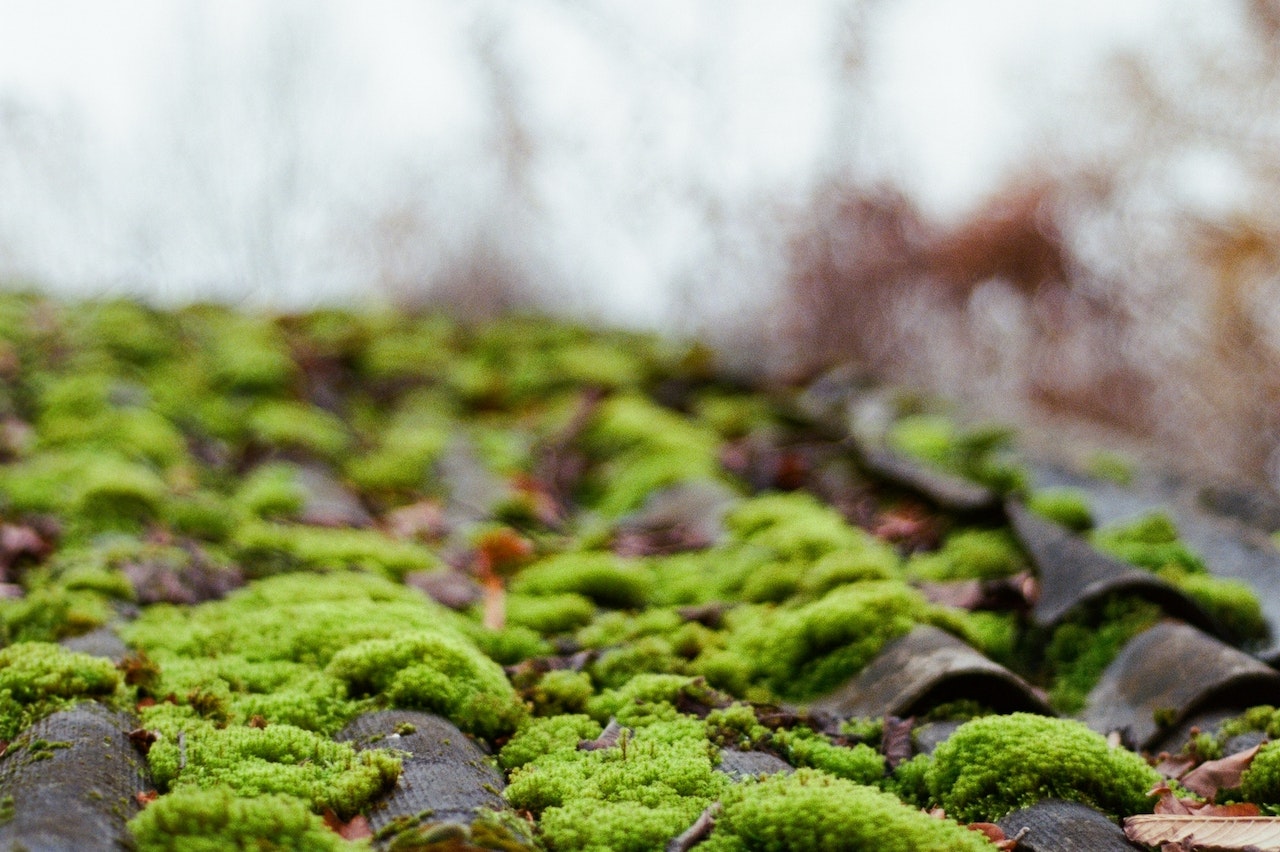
1066 216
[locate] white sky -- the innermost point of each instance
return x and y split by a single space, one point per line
200 159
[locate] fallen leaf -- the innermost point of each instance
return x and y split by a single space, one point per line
1169 802
1212 832
1174 766
1214 775
146 798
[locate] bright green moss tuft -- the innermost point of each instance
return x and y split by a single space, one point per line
811 810
1150 542
217 820
435 672
1261 781
997 764
539 737
858 763
274 759
649 788
978 453
802 652
265 548
1066 506
550 614
609 580
38 678
561 692
271 491
1081 648
969 554
295 425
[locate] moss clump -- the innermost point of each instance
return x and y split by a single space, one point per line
435 672
634 796
979 453
39 678
275 759
997 764
560 692
267 548
1082 647
858 763
798 526
272 491
1152 542
297 426
811 810
550 614
1066 506
539 737
608 580
808 650
215 820
969 554
1260 783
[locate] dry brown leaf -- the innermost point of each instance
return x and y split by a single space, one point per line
1239 809
1169 802
1214 775
1213 832
1174 766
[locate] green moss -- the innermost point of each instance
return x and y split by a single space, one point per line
814 811
608 580
969 554
1111 466
271 491
796 525
650 654
997 764
539 737
561 692
1081 648
858 763
52 613
807 650
216 820
647 698
1066 506
1150 542
295 425
1232 604
267 548
274 759
550 614
435 672
622 798
39 678
736 727
976 453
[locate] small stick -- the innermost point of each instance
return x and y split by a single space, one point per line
696 833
